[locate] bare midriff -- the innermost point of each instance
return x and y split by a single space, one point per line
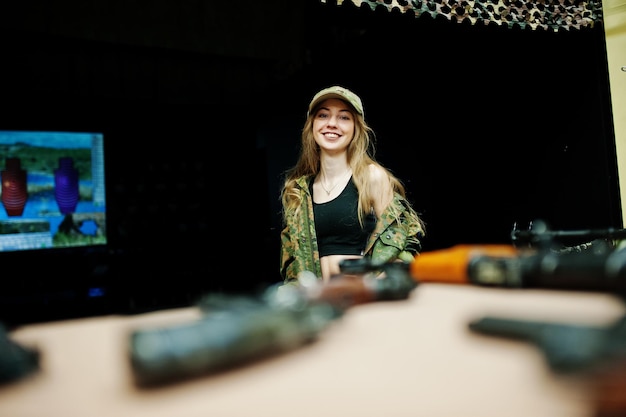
330 264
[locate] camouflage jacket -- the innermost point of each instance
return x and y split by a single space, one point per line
394 237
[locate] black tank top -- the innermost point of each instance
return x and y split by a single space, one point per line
337 224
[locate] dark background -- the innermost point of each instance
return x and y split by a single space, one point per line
202 105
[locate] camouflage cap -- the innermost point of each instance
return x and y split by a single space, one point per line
340 93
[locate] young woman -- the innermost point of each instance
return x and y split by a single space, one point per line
338 202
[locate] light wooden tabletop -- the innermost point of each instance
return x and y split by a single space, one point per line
410 358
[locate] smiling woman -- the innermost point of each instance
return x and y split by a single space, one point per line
338 202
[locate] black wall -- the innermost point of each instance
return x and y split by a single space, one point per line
487 126
181 171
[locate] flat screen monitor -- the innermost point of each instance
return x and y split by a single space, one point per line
53 190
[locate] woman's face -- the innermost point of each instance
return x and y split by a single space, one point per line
333 125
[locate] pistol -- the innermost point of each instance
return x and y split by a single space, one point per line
566 347
599 352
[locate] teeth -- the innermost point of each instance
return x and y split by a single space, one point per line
331 135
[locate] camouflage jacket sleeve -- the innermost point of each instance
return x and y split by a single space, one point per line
299 250
397 234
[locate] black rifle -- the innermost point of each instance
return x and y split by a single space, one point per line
539 235
599 268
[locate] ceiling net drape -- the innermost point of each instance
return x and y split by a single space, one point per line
553 15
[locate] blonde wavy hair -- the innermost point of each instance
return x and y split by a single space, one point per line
360 155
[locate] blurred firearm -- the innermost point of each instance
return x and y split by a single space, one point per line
566 347
539 235
232 331
595 266
596 352
235 330
16 361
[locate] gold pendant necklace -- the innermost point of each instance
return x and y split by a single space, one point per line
328 191
331 188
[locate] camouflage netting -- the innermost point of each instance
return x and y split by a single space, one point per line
534 14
